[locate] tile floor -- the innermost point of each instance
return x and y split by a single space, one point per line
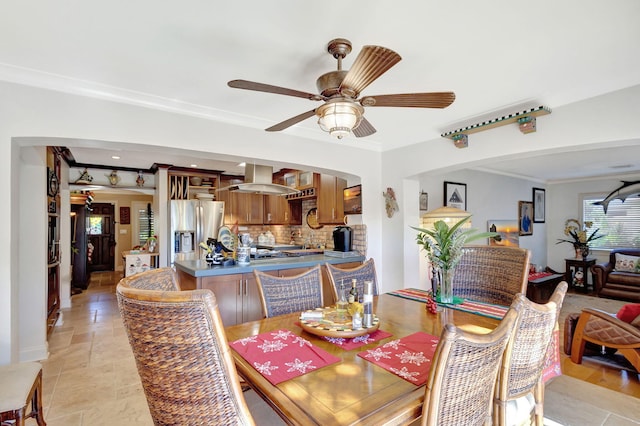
90 377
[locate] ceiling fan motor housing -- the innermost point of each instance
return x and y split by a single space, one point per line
329 84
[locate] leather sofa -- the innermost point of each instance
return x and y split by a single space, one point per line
617 284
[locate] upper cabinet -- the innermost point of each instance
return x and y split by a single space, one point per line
279 211
330 199
241 208
185 185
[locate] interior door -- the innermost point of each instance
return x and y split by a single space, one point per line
101 237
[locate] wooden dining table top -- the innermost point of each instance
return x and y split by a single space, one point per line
353 390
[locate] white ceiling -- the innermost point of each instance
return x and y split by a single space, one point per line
494 55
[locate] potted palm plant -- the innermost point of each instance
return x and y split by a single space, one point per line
443 245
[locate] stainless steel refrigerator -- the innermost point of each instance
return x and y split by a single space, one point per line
192 222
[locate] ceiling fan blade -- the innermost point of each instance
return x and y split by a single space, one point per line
371 63
414 100
261 87
364 129
290 122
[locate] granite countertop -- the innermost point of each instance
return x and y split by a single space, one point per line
199 268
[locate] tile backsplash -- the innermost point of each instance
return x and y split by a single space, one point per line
301 234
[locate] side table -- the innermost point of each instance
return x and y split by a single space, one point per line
539 290
577 273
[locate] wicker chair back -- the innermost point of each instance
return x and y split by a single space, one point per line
463 374
182 356
362 273
524 360
155 279
492 274
284 295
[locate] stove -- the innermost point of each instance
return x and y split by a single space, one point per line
263 253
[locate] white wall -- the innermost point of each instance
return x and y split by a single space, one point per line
609 120
489 197
36 117
32 116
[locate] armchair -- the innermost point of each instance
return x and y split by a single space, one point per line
605 329
615 284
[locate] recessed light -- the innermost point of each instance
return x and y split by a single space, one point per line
115 157
194 165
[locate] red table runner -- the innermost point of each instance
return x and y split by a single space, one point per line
281 355
537 275
408 357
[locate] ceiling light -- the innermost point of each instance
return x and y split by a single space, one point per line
339 117
115 157
194 165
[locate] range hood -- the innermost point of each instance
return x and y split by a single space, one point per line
259 180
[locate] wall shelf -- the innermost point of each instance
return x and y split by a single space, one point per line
526 121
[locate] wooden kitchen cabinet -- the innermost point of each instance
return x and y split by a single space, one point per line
237 295
249 208
241 207
279 211
329 202
184 184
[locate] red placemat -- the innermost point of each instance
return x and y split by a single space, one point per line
408 357
356 342
282 355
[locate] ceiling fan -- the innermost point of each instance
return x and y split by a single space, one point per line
342 110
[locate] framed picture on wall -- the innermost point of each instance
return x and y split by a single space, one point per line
538 198
455 195
125 216
424 201
525 213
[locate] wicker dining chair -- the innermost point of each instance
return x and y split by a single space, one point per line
492 274
519 395
463 374
362 273
155 279
284 295
183 357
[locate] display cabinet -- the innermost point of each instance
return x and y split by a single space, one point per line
53 238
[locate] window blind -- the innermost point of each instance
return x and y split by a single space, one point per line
621 224
145 224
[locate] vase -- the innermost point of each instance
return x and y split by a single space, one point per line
584 251
446 286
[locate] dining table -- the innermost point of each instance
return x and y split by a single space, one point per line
353 390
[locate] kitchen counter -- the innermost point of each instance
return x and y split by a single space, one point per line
199 268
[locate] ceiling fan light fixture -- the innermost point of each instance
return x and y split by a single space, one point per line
339 118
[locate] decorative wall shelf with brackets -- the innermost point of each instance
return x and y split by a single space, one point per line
526 122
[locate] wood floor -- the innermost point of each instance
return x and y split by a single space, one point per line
626 381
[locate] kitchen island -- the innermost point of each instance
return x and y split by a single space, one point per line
235 286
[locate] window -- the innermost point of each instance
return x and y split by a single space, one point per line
95 225
143 215
621 224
